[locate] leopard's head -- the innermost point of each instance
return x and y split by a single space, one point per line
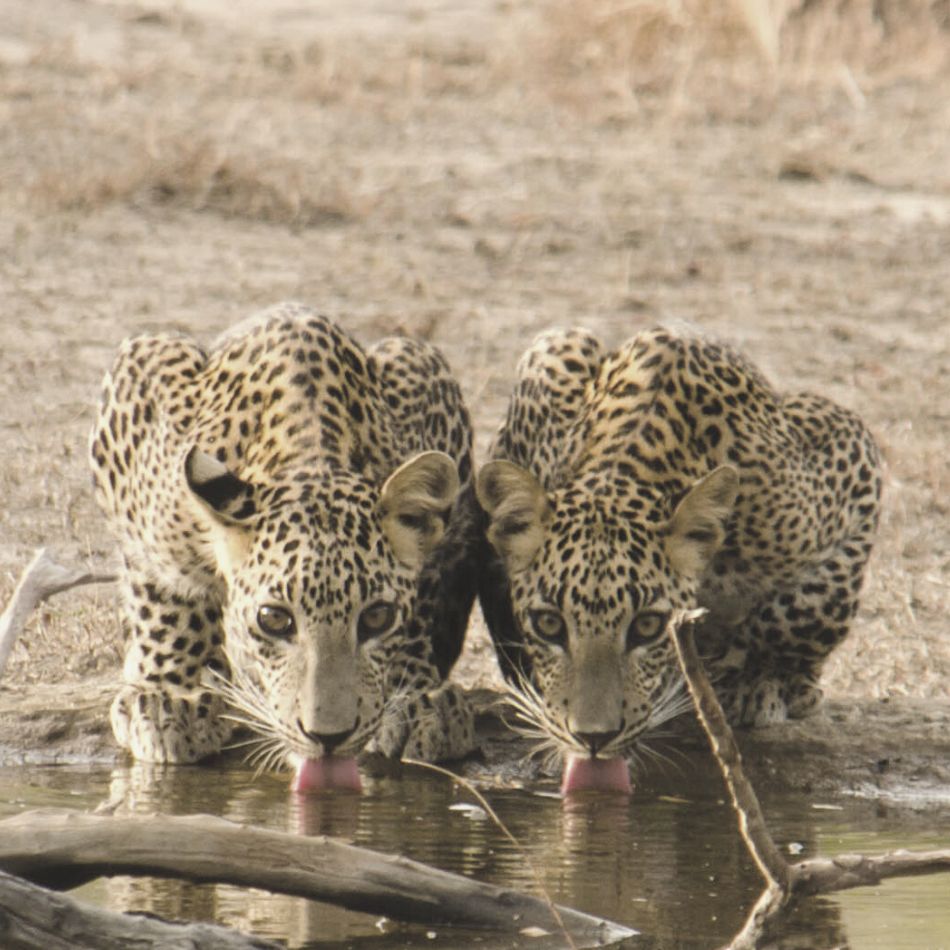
320 574
594 570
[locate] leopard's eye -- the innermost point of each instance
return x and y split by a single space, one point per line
375 620
276 621
645 628
549 625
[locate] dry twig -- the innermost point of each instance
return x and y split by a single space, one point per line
784 882
506 831
42 578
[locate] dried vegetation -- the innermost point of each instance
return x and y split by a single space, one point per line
773 172
738 55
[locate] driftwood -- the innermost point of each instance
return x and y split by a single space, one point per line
59 848
42 578
784 882
33 918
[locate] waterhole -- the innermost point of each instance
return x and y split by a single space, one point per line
667 861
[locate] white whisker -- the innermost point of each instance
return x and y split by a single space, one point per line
646 750
532 710
274 742
533 721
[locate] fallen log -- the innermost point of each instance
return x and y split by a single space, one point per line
61 849
33 918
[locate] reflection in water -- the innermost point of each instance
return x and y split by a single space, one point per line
669 868
670 865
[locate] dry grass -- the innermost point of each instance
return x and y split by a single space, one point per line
190 169
732 55
478 211
373 75
153 131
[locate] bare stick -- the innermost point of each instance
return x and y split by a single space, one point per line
61 848
755 833
506 831
37 919
784 882
42 578
769 905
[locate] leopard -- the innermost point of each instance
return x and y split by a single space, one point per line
295 517
625 486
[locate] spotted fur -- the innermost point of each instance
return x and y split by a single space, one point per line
662 476
299 512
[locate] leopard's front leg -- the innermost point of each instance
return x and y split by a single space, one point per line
434 724
441 725
165 712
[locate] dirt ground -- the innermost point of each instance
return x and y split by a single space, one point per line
476 171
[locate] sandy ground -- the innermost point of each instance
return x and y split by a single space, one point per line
472 172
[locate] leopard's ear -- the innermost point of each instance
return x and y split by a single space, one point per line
415 503
518 508
226 496
698 526
226 504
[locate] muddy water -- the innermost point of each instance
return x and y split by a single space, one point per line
669 865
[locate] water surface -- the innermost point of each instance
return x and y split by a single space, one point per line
667 862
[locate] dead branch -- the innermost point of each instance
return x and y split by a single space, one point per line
42 578
770 904
61 848
822 875
33 918
752 825
506 831
784 882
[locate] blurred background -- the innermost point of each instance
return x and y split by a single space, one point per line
473 172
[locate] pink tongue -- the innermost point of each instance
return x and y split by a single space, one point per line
330 772
605 775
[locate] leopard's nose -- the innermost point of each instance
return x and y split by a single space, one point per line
595 741
328 740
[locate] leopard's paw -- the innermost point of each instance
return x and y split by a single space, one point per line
802 697
441 726
435 726
158 725
757 704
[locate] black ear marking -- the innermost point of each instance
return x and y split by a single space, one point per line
508 527
702 535
218 487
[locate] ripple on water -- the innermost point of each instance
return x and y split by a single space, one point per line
670 866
